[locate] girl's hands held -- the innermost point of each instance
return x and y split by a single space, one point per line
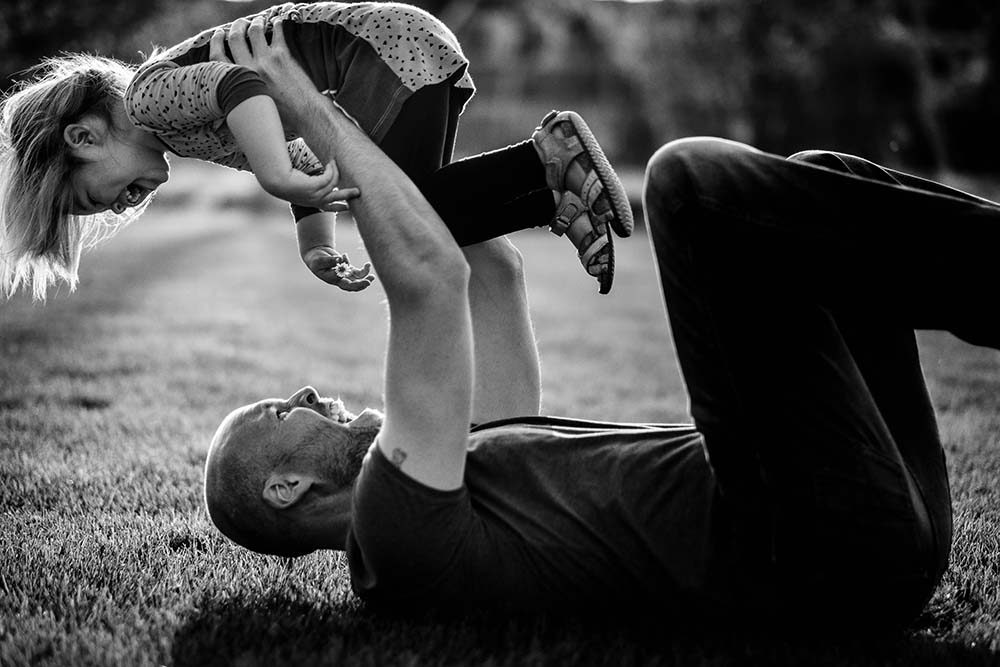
334 268
317 190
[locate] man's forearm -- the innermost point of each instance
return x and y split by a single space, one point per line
404 235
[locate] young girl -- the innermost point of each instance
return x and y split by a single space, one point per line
82 146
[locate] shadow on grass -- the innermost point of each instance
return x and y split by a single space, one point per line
279 629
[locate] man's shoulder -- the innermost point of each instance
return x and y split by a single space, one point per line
557 423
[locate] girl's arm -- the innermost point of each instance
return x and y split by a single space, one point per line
257 128
317 247
213 91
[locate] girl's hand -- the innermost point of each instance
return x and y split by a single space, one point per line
331 267
317 190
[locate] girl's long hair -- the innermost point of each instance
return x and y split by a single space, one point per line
40 241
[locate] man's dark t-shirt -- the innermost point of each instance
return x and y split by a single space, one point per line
552 513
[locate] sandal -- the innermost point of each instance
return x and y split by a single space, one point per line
592 239
564 137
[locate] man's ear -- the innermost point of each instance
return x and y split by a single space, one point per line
282 490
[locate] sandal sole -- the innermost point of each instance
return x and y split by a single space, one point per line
622 221
604 283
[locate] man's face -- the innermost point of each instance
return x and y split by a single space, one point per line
304 436
286 420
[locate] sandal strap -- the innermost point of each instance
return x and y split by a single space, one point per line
570 208
557 165
588 238
592 189
597 245
562 151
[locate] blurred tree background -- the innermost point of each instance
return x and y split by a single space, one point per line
905 82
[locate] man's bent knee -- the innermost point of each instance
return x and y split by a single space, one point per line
685 169
828 159
498 259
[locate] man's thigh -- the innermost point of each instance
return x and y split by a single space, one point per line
791 426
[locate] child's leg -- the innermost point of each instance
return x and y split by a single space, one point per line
491 194
471 195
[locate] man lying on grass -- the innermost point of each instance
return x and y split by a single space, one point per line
811 486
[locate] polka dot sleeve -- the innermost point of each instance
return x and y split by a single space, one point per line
165 97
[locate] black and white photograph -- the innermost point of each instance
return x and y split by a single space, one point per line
500 332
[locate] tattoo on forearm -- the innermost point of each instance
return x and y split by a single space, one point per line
397 458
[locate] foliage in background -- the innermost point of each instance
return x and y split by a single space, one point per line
911 82
31 30
914 77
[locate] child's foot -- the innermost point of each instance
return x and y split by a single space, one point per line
574 162
591 239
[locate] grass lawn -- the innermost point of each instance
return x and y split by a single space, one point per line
108 399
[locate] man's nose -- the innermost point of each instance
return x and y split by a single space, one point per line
305 397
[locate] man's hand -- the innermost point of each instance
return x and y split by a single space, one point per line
287 83
331 267
317 190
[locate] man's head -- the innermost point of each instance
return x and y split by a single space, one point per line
280 472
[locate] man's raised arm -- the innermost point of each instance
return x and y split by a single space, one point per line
428 384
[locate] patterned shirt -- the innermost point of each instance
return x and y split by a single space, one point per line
370 56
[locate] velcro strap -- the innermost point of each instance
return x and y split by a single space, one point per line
570 208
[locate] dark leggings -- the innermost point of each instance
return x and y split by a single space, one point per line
793 287
478 198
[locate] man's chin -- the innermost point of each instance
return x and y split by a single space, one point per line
369 418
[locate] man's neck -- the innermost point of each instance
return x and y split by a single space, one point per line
327 520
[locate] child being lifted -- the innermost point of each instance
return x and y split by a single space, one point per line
83 143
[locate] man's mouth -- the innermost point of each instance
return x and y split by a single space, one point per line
333 408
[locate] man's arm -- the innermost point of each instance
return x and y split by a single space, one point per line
507 373
428 383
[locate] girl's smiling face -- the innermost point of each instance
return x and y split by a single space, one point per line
118 168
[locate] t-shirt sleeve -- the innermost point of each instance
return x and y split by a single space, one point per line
405 537
239 84
167 97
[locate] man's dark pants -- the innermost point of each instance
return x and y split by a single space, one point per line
793 288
